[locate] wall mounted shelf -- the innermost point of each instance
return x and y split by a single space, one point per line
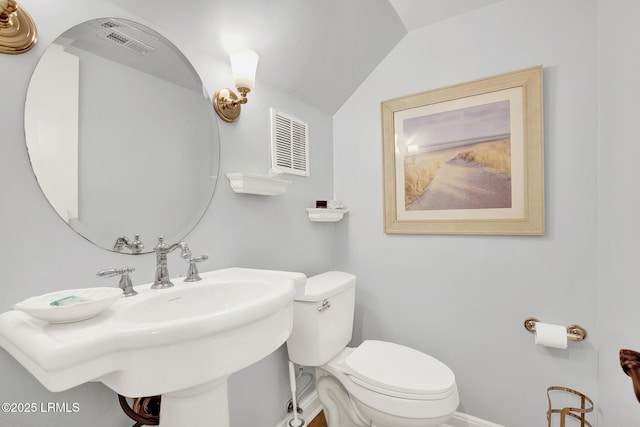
325 214
257 184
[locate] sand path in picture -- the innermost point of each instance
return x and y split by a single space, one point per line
461 184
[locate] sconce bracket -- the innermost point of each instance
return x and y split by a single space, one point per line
227 105
18 32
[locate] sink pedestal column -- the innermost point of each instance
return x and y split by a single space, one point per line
203 406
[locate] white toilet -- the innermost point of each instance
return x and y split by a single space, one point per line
377 384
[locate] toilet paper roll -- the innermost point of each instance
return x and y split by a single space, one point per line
551 335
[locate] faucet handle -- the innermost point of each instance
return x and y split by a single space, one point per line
192 271
125 282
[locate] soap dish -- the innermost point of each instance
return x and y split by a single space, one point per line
93 301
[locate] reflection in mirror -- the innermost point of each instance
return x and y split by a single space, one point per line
121 134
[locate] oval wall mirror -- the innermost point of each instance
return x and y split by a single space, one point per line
121 134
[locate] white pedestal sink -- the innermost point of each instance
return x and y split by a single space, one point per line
181 343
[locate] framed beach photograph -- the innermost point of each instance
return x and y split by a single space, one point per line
466 159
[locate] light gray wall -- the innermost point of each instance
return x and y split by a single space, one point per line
463 299
459 298
618 204
42 254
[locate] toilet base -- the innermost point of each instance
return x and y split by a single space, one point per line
336 404
380 419
344 410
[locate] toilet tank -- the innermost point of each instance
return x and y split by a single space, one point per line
322 318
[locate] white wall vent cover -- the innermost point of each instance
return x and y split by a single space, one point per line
289 144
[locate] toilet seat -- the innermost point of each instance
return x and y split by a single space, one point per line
381 381
399 371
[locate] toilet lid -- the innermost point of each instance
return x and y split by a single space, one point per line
396 368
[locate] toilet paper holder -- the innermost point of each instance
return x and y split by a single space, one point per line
574 332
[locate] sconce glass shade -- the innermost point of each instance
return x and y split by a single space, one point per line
243 67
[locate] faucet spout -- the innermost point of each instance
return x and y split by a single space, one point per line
162 280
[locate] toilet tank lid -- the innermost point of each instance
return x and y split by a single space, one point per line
326 285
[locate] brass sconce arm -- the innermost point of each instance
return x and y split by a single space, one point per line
18 32
228 105
6 11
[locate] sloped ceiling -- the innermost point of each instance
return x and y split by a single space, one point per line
420 13
317 51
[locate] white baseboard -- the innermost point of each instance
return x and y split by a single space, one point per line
463 420
311 408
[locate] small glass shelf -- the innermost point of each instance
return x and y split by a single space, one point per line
257 184
326 214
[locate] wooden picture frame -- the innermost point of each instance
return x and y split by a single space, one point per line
466 159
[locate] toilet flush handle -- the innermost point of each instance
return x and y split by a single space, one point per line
325 305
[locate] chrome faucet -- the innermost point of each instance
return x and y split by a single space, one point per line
135 247
162 273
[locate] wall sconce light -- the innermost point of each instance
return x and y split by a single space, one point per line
243 67
18 32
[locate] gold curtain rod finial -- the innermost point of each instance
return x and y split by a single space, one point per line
18 33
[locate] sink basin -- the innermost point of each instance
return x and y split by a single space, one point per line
182 342
234 300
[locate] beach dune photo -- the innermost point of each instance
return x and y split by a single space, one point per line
459 159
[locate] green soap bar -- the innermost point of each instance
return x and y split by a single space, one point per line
70 300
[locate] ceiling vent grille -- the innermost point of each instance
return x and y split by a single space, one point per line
289 144
125 41
112 23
